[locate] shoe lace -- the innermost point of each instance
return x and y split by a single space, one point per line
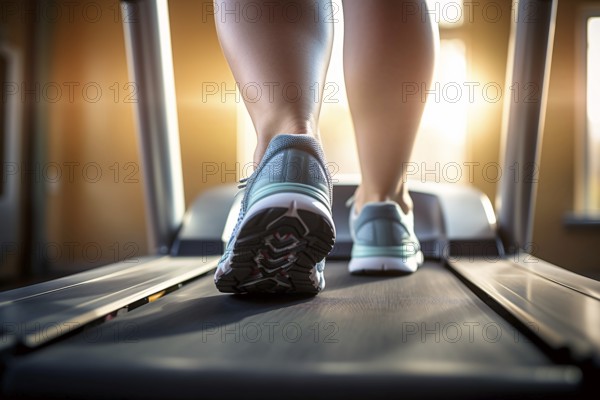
242 183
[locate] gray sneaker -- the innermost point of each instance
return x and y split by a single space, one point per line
384 240
285 228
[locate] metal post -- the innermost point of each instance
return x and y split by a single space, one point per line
12 228
528 70
149 56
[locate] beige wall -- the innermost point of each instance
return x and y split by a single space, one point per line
89 213
207 124
487 41
574 248
107 215
109 212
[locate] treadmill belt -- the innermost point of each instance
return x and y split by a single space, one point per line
424 333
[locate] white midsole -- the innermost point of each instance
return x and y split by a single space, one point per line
286 200
409 264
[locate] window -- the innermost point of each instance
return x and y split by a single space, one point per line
587 196
592 143
442 136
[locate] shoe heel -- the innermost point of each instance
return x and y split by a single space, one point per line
280 246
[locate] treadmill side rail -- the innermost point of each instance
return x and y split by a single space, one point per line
37 314
558 306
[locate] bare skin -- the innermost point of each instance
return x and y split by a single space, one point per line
385 48
285 55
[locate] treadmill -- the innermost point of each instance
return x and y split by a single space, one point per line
480 319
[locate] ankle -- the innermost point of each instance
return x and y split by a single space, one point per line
363 197
294 128
405 202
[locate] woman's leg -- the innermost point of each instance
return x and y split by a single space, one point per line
285 228
284 50
386 50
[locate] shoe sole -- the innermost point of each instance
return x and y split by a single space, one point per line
277 248
385 265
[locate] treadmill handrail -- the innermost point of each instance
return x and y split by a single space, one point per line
529 59
150 61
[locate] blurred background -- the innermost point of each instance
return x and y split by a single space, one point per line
71 189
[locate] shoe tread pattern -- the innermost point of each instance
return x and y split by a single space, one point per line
277 251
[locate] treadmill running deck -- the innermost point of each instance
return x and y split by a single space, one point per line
424 333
